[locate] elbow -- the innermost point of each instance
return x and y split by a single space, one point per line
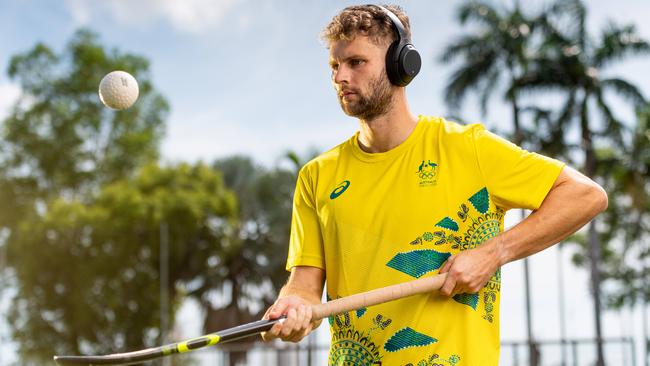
598 198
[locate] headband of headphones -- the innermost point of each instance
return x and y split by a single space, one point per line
403 61
397 24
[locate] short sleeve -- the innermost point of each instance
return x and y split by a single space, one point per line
515 178
306 241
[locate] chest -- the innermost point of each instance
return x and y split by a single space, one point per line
411 190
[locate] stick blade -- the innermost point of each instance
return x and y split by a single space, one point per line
114 359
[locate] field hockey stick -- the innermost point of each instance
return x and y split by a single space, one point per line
319 311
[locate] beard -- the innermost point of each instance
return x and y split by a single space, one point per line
369 107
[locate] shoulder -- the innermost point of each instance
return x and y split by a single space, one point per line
450 131
324 162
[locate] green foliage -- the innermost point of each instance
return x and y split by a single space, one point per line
252 273
552 51
73 256
494 54
84 204
60 138
572 62
88 272
627 219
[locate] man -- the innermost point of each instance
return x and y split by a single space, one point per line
408 197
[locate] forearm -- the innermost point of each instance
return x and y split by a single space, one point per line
570 205
306 283
572 201
311 294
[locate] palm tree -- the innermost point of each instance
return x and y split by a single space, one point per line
497 54
572 62
547 136
628 220
250 273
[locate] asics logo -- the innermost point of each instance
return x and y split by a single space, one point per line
339 189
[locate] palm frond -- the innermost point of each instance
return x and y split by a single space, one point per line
619 42
467 77
625 89
545 74
613 126
567 17
467 45
488 86
480 12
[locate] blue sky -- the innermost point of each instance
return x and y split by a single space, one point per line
251 77
246 76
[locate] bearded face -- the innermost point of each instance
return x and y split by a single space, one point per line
367 102
359 77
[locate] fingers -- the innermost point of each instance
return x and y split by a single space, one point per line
445 267
294 328
272 333
277 310
303 324
448 287
274 312
297 325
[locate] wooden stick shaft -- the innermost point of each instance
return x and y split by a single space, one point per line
378 296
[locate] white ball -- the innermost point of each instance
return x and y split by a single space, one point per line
118 90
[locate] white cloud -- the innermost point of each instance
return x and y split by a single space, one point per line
191 16
9 93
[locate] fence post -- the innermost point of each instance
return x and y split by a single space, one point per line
574 351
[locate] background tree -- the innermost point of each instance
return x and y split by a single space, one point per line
59 138
85 204
60 146
252 271
494 55
87 272
626 265
573 62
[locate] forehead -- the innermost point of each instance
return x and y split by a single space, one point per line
358 46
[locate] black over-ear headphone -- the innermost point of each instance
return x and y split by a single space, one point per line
403 61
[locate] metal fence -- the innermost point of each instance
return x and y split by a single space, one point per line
570 352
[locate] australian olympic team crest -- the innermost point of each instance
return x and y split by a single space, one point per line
427 173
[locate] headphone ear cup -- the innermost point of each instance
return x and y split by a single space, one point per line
392 64
403 62
409 63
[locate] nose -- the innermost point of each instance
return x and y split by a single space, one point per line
341 75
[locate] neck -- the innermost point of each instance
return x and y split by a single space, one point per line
387 131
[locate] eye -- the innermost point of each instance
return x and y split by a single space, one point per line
356 62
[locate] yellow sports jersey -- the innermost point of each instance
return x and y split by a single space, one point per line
373 220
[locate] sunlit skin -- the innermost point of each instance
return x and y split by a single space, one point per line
360 80
359 77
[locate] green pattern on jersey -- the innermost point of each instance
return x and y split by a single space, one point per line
481 201
406 338
418 262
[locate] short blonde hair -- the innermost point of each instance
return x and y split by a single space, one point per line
365 20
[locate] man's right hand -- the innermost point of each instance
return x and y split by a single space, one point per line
298 323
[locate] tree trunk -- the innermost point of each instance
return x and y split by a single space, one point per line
518 138
594 241
646 342
560 277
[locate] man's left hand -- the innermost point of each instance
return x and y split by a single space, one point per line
469 271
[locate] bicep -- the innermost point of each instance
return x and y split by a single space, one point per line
569 175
